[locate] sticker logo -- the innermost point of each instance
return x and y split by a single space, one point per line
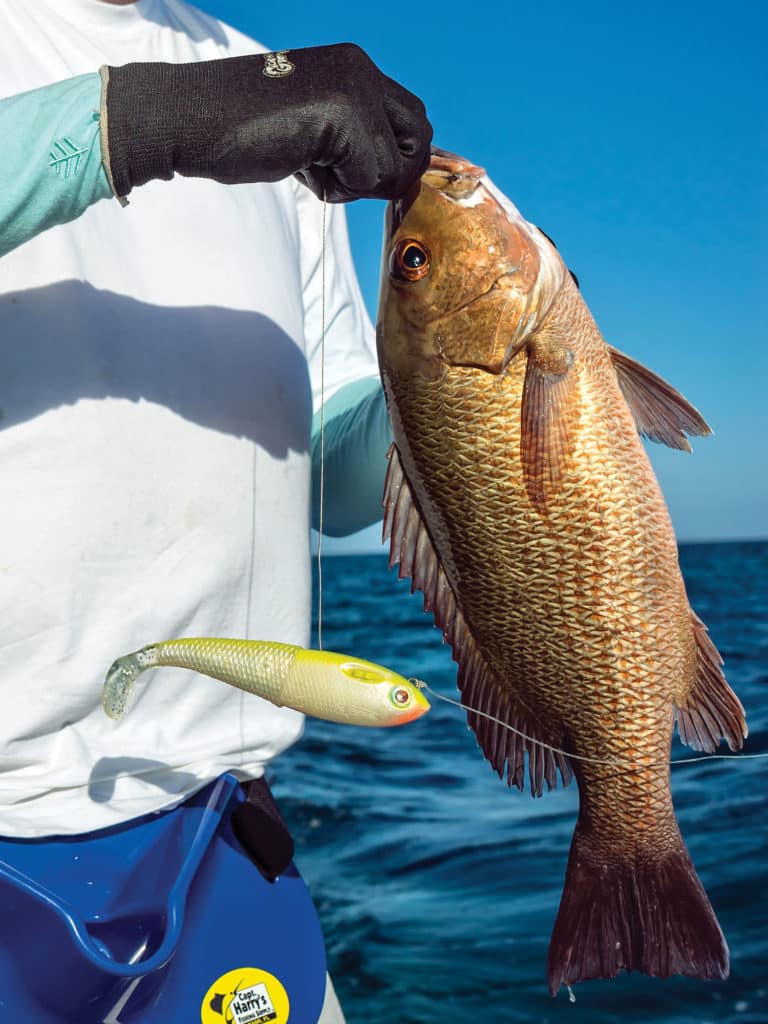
245 996
277 65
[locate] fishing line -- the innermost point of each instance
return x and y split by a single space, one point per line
614 762
322 436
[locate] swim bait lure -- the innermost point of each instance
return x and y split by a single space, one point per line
334 687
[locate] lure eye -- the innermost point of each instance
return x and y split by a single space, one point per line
400 697
409 260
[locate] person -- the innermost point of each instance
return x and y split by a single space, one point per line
161 365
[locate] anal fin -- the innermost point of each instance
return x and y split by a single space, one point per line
710 711
492 714
506 732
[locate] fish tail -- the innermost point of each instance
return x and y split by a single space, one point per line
648 912
121 679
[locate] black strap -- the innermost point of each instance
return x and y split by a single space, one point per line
261 831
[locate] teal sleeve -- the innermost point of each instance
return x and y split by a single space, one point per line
51 168
357 436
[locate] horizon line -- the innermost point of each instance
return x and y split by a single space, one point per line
384 549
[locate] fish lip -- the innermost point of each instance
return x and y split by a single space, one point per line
453 169
412 715
446 172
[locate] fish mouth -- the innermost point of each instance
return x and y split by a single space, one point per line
421 707
453 171
448 173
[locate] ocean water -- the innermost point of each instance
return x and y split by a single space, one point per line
438 886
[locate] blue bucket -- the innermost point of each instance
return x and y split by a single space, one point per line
148 921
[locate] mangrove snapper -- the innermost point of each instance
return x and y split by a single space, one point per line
520 500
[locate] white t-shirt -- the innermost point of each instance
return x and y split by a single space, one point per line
157 370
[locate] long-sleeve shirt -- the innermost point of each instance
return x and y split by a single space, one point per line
160 366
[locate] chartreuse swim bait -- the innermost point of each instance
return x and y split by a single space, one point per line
335 687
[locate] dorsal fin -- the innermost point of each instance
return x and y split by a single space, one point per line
661 413
710 711
411 548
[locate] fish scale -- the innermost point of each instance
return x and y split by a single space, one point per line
520 500
546 584
234 664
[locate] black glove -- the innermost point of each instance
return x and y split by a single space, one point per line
326 114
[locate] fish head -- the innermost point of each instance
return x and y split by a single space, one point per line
465 278
393 699
359 692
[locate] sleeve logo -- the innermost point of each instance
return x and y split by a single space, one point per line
65 157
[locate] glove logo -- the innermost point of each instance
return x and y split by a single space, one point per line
277 65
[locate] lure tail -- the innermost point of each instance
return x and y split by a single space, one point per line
121 679
637 914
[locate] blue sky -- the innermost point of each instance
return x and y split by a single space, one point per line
637 138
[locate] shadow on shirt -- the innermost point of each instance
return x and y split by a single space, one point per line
229 370
106 771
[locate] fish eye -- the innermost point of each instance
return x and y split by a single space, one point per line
400 697
409 260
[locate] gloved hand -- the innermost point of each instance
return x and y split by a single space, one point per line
326 114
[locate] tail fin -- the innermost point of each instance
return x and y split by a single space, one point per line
640 914
121 679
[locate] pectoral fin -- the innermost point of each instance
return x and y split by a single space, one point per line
505 730
550 415
660 411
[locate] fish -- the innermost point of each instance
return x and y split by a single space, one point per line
324 684
520 501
